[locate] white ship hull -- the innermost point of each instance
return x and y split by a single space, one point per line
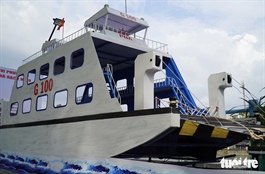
93 136
65 112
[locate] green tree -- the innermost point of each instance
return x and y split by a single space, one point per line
258 104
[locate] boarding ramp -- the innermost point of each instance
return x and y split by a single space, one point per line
172 85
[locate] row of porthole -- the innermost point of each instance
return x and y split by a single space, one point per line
84 94
41 103
77 60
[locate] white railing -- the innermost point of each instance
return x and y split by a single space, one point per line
32 57
150 43
97 27
56 44
126 89
168 81
154 44
157 83
109 69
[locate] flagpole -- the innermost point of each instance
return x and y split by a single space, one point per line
125 6
52 32
63 32
61 24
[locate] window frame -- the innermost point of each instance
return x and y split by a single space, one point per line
71 58
58 59
22 81
29 83
66 99
41 71
37 102
89 100
29 107
15 114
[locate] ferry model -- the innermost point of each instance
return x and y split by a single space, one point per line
65 111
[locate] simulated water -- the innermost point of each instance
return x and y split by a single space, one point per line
13 163
26 165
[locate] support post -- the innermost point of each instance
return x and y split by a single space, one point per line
52 32
216 86
146 65
106 23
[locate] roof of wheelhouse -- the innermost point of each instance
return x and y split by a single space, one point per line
118 20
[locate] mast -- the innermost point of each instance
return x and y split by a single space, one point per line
126 6
243 88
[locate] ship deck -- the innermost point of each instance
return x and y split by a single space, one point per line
198 137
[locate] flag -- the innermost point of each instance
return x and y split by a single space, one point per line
61 24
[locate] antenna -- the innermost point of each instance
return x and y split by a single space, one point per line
243 87
125 6
57 22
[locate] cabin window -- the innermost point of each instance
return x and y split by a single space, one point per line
20 81
31 76
14 109
59 66
77 58
44 71
60 98
42 102
84 93
26 106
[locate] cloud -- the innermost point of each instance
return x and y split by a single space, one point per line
233 15
204 37
200 50
27 24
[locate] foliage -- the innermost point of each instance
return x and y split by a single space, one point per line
259 104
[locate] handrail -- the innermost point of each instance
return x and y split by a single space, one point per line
56 44
96 27
169 81
115 86
157 83
126 89
151 43
109 70
32 57
158 45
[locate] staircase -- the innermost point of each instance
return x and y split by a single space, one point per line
170 86
184 104
173 85
108 74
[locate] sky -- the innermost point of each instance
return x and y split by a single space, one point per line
203 36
